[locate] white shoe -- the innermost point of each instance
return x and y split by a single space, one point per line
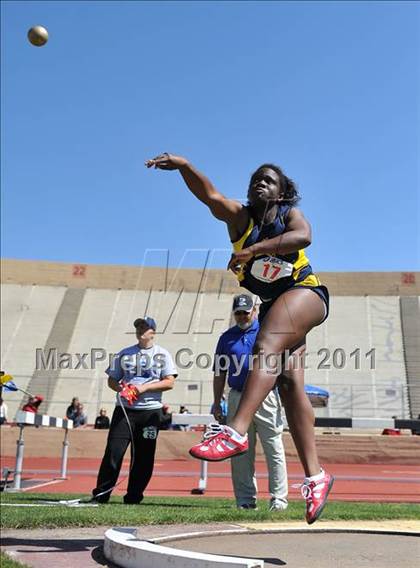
277 504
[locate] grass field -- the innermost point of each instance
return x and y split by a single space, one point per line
7 562
176 510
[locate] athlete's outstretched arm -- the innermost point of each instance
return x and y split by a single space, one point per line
222 208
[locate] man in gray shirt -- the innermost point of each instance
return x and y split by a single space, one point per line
143 370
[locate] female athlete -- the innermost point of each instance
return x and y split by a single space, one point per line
269 236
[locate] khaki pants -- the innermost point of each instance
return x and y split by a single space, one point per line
269 426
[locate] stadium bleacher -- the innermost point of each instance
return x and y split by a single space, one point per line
59 309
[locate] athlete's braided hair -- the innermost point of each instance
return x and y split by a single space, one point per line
288 186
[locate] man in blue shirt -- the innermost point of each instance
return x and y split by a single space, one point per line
232 361
148 369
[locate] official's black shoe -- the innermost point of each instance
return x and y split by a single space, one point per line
103 499
128 501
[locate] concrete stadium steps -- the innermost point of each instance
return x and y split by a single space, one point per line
28 314
410 320
185 321
96 316
45 382
360 323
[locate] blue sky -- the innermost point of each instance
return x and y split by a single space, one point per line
327 90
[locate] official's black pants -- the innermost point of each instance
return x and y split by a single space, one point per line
145 428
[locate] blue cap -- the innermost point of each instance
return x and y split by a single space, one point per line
145 322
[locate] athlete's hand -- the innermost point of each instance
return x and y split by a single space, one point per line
166 161
239 259
217 413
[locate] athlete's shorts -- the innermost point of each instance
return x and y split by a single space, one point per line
320 290
310 283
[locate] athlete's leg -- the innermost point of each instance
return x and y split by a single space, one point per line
299 412
286 324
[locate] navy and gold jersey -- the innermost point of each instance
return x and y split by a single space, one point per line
268 276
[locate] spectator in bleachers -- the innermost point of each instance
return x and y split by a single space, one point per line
182 410
72 408
102 421
33 404
3 412
79 417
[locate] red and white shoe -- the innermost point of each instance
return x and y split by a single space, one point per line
315 493
219 443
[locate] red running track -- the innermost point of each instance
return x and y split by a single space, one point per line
354 482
